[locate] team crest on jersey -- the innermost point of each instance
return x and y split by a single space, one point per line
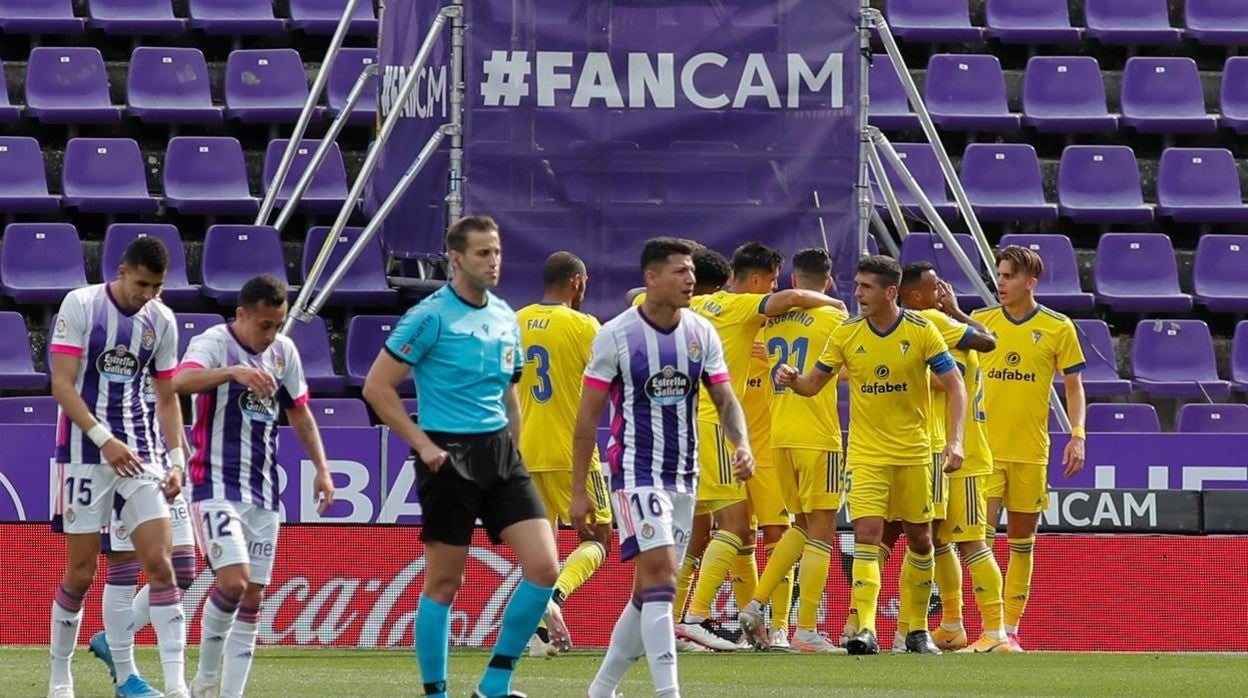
668 387
881 372
118 365
149 338
62 327
70 515
279 366
1013 358
905 347
695 351
256 408
647 531
1035 336
215 550
121 532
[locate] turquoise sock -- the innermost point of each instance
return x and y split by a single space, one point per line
520 618
433 630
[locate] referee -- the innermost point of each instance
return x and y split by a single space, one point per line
462 346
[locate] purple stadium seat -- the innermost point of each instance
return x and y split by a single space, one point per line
1234 95
35 409
707 172
1220 276
343 73
207 176
1164 95
1029 22
39 17
920 159
340 412
235 253
1174 359
166 85
235 17
929 247
191 325
329 186
40 262
1206 418
1101 184
890 108
8 112
1108 417
321 17
106 175
1100 378
1137 272
135 17
365 336
1217 22
265 86
1130 22
23 178
966 92
1239 357
312 338
177 291
932 21
1065 94
1059 286
17 371
1200 185
410 404
1004 182
365 282
69 86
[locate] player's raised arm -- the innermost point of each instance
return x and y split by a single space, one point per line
782 302
979 338
201 371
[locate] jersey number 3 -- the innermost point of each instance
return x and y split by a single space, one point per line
541 359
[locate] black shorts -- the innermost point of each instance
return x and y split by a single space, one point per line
483 478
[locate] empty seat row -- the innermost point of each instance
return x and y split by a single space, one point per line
168 85
202 175
41 262
1062 94
156 18
1135 417
1095 184
329 412
1122 22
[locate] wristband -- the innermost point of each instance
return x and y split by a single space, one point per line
1078 432
177 458
99 435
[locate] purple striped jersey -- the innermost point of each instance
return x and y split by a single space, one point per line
115 350
234 434
652 376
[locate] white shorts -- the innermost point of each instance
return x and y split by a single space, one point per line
652 517
237 533
92 495
179 522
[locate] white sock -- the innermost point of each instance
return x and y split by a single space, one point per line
658 634
1011 629
214 625
141 607
170 624
624 651
119 628
240 649
64 639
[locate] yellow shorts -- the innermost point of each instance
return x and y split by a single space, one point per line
809 479
940 487
717 488
968 510
555 489
767 502
1022 487
892 492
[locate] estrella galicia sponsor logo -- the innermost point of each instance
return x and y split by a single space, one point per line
256 408
668 387
882 386
117 365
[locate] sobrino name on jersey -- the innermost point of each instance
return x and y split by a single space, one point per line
799 316
668 387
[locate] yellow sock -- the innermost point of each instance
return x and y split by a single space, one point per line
812 578
990 536
986 579
851 622
1018 580
866 592
579 567
684 580
744 575
949 579
781 597
781 557
916 583
718 559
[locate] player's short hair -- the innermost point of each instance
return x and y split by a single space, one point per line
657 250
560 267
457 236
1024 260
886 269
755 256
911 273
710 267
812 263
266 289
147 252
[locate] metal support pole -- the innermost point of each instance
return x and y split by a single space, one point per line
890 196
327 142
305 115
881 231
864 142
455 180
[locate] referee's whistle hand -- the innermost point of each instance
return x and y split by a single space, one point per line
432 456
743 464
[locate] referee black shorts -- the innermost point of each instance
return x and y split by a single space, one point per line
482 478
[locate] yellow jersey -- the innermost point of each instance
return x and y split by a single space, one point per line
757 406
795 338
556 341
955 335
977 457
737 317
889 394
1018 376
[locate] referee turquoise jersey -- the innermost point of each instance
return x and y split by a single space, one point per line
463 357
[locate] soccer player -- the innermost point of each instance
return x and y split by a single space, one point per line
1033 344
462 346
887 352
962 522
105 338
649 361
737 313
556 339
241 373
806 450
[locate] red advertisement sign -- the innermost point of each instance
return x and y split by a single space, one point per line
357 586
